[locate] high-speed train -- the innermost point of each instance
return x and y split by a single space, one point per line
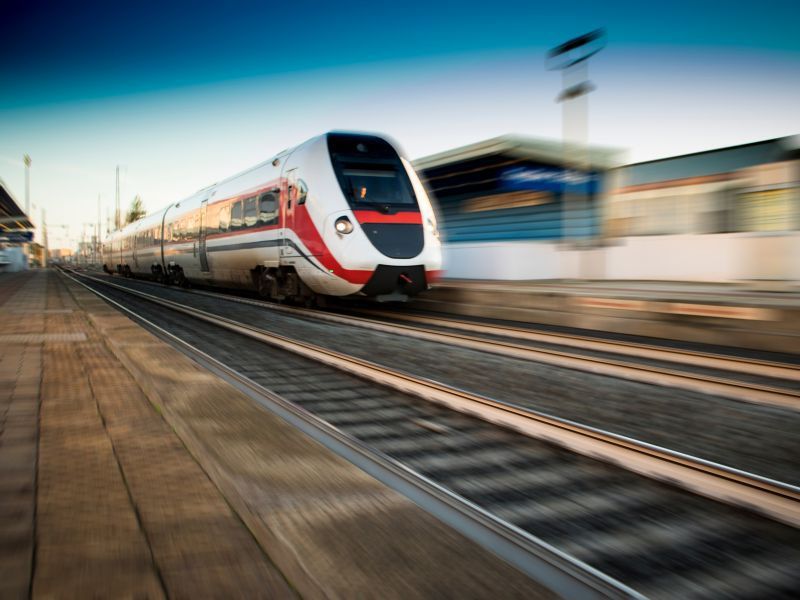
342 214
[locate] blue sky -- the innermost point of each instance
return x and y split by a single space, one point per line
181 94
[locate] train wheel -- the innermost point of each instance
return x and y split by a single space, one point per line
264 287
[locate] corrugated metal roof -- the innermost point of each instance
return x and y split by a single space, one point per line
545 150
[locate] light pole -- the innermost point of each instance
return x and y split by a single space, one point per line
572 59
117 214
27 160
44 239
97 231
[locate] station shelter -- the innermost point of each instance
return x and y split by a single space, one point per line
15 233
510 205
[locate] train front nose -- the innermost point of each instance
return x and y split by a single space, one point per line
396 240
393 282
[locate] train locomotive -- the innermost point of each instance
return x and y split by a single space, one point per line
342 214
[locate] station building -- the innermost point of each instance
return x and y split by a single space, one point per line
509 204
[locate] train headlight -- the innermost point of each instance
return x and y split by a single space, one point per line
343 225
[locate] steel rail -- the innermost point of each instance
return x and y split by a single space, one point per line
778 500
691 357
722 362
557 570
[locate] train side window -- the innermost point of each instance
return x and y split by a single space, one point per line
236 216
224 218
212 220
268 208
250 212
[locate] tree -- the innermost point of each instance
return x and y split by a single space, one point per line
136 211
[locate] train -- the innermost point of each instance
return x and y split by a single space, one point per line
341 215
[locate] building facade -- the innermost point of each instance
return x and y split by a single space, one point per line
729 214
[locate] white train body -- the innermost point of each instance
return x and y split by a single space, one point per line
274 227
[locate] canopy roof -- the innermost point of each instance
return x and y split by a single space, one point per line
517 146
11 216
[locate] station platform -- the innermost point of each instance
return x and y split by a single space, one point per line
127 470
761 316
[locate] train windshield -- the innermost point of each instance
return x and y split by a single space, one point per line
381 184
370 173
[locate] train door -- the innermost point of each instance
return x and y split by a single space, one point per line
202 236
134 240
162 242
289 249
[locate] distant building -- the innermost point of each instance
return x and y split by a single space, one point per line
36 254
60 254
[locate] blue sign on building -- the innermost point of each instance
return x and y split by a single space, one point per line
16 237
551 179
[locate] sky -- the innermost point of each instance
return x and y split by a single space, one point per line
182 94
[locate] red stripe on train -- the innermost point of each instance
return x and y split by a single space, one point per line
374 216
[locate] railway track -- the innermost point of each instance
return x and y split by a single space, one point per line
698 424
617 522
751 380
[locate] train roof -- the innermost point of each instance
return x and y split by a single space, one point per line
11 215
154 218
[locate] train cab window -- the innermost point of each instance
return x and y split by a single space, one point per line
250 212
377 185
268 208
224 218
236 216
